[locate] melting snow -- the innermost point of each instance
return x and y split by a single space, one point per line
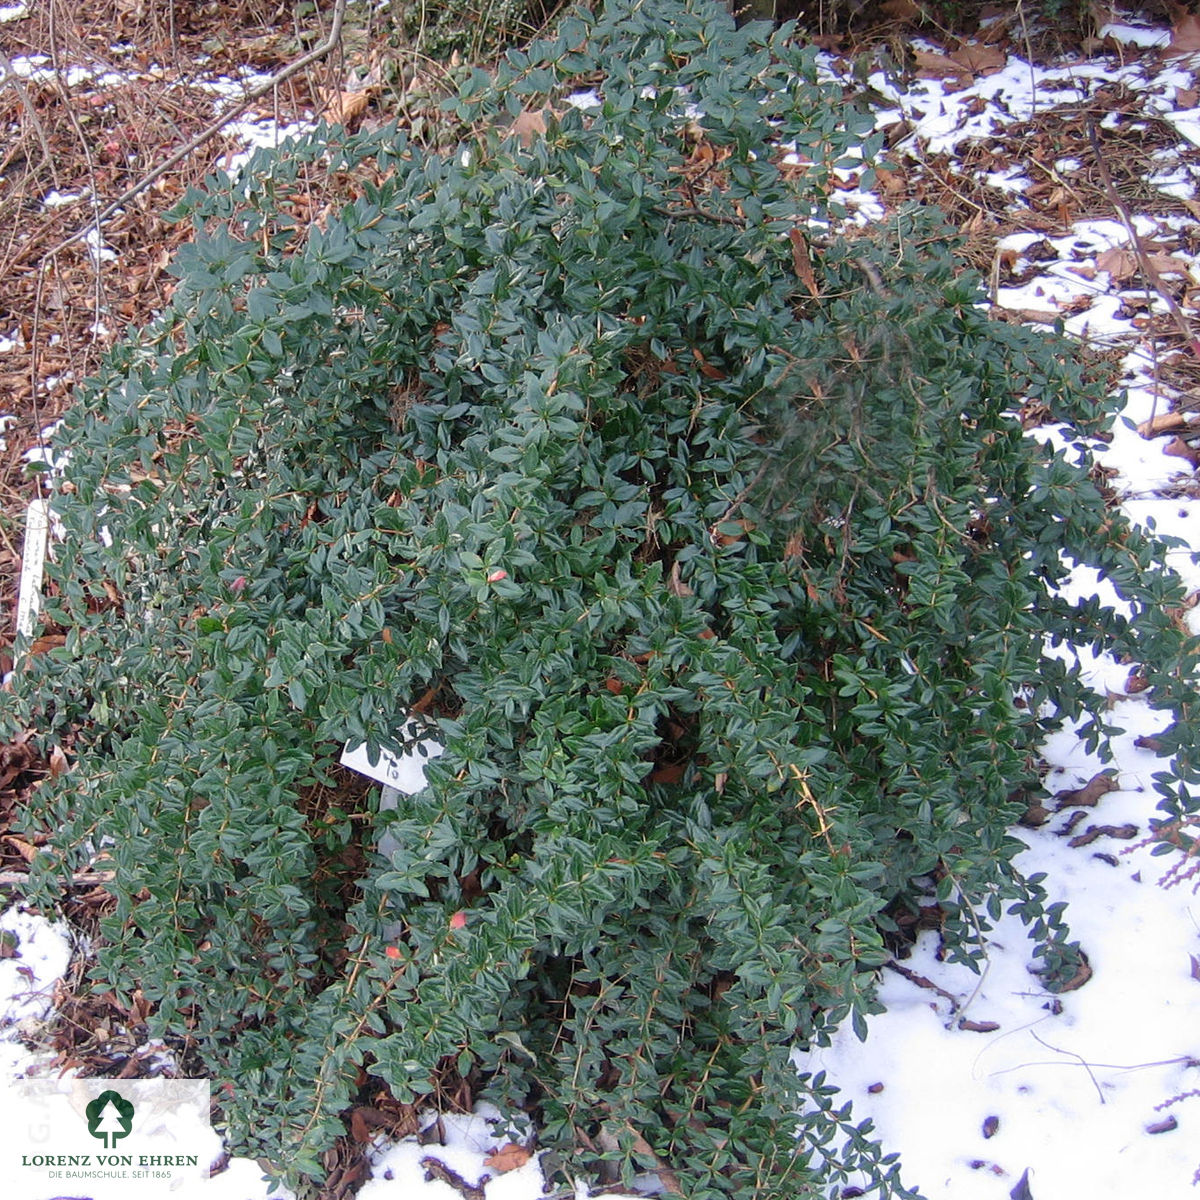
1135 35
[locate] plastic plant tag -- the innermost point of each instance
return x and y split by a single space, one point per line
405 772
33 560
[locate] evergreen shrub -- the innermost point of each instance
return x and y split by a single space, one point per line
707 544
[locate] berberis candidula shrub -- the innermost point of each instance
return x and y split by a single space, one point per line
707 544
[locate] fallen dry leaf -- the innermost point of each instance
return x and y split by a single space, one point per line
893 184
1080 977
1021 1190
1119 262
980 59
721 538
1178 448
668 773
49 641
979 1026
139 1007
703 156
58 762
1034 414
931 65
801 262
1035 316
1122 263
1124 832
1071 822
342 107
1185 36
25 849
1163 423
508 1158
675 585
970 60
1137 681
365 1122
530 124
1089 794
1034 815
706 368
436 1169
667 1177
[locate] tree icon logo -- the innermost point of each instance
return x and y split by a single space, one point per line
109 1117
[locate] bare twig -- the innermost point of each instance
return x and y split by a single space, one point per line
1082 1062
293 68
436 1169
698 214
1145 263
78 878
8 74
736 502
64 92
34 361
922 982
1028 56
1187 1060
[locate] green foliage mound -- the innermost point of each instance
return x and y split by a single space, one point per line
725 585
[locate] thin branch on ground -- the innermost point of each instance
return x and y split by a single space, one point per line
698 214
1145 264
34 372
97 254
78 879
8 74
922 981
1082 1062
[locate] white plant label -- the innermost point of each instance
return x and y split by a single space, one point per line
406 772
33 562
